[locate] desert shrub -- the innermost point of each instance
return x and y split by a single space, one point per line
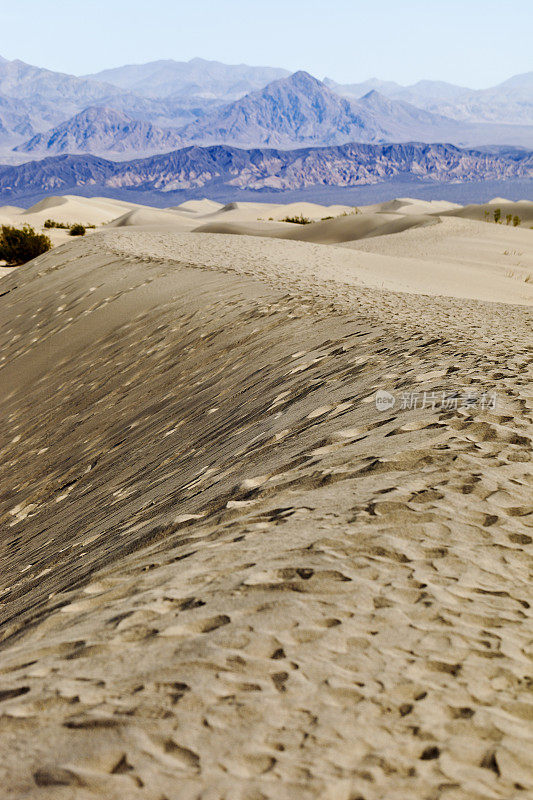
516 221
51 223
77 230
508 219
19 245
325 218
299 220
497 215
355 210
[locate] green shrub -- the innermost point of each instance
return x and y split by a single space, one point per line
299 220
497 215
508 219
19 245
516 221
77 230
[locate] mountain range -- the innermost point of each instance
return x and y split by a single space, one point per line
99 129
509 102
300 109
297 110
260 169
198 79
209 101
194 80
201 113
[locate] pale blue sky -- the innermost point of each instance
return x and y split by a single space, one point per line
475 43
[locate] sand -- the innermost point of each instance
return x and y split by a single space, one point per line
154 218
343 228
204 206
496 280
225 572
264 212
71 209
408 205
523 209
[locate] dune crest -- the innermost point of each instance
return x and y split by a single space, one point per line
225 567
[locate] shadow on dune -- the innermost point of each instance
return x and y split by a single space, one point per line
347 228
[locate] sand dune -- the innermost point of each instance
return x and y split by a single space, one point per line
66 210
408 205
8 210
435 252
468 247
153 217
249 212
70 209
204 206
340 229
485 211
494 281
225 572
311 210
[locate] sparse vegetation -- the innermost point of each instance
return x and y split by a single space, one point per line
77 230
51 223
325 218
497 214
355 210
19 245
298 220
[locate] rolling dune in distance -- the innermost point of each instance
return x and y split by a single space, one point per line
227 570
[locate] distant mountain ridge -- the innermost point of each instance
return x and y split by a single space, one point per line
51 97
204 102
259 169
99 129
197 78
297 110
510 102
301 110
40 99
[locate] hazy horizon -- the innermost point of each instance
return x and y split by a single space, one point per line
476 46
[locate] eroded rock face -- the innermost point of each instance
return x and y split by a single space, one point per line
213 168
225 572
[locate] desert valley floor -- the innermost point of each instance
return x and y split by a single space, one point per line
225 572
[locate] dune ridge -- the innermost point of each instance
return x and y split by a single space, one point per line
224 568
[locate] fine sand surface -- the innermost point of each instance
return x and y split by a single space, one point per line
67 210
504 280
523 209
225 573
332 231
